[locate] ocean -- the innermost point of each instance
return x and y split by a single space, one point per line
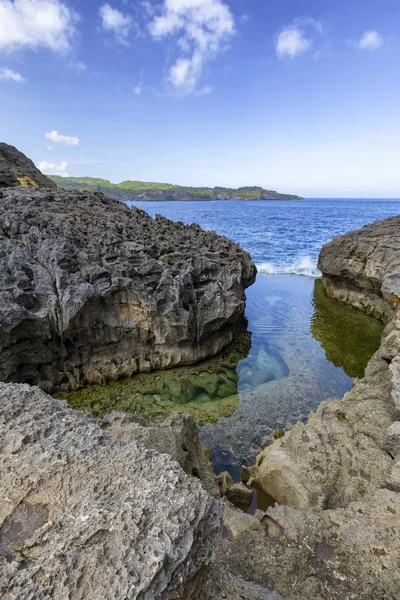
283 237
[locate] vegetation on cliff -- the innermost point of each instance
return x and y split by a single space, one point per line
142 190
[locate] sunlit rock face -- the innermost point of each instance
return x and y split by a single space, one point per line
362 268
85 515
93 291
17 170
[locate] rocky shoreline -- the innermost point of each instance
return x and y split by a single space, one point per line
110 508
106 291
337 478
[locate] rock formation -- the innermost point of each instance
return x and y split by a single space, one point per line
362 268
177 436
87 512
93 291
17 170
339 474
87 516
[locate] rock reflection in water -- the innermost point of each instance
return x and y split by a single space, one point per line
206 391
298 374
349 337
268 380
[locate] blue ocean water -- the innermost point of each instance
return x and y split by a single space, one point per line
282 236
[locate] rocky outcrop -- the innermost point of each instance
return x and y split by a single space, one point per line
86 516
94 291
343 554
177 436
338 475
362 268
17 170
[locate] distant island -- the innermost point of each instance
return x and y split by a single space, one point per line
142 190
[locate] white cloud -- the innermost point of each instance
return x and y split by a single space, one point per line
371 40
116 22
8 74
202 27
57 138
297 38
80 67
54 169
138 89
36 23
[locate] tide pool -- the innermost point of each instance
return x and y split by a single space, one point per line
296 348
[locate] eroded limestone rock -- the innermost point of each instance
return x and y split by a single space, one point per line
17 170
177 436
344 554
86 516
362 268
94 291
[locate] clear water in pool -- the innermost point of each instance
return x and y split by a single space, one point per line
301 348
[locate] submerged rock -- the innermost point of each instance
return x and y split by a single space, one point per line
86 516
93 291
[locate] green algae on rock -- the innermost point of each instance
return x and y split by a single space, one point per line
348 336
206 391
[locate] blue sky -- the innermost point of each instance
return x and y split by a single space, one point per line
301 96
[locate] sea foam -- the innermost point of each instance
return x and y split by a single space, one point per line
302 266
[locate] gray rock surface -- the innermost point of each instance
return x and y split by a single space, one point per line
343 554
177 436
93 291
362 268
17 170
89 517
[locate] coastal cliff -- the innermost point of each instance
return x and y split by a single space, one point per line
146 191
94 291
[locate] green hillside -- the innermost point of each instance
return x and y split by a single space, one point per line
142 190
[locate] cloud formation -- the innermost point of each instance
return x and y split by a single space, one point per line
8 74
202 29
53 169
114 21
371 40
297 38
36 23
57 138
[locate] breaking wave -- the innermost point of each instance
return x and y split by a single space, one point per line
303 266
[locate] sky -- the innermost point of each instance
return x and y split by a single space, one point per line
300 96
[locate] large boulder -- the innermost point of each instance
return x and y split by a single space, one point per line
18 170
92 290
177 436
86 516
362 268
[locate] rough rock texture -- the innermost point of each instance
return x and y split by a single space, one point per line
362 268
217 583
344 554
177 436
93 291
340 472
17 170
87 516
236 493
